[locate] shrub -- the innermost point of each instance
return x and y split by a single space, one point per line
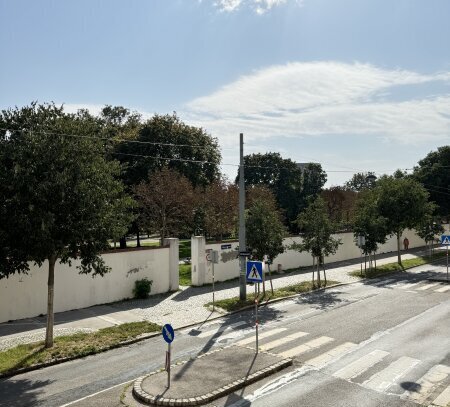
142 288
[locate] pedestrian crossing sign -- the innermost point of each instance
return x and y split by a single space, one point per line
255 271
445 239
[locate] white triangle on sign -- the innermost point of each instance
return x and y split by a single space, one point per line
446 240
254 273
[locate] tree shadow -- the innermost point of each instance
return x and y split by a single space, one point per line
265 314
320 299
21 392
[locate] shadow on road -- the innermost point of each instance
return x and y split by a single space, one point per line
21 392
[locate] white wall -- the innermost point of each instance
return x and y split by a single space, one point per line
229 268
23 296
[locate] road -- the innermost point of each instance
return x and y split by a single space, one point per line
378 343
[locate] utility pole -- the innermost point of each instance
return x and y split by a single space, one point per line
242 243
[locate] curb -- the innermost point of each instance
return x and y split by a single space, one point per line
226 313
147 398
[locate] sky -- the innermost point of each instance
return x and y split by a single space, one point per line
356 85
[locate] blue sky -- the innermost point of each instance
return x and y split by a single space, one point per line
353 84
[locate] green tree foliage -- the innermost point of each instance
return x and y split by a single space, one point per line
403 203
434 173
170 141
60 198
316 231
369 223
360 181
265 233
430 229
291 185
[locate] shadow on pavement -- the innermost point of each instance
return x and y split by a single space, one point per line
21 392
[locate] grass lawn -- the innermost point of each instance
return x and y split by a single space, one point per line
394 267
185 274
76 345
185 248
234 304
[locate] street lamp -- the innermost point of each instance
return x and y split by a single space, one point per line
371 178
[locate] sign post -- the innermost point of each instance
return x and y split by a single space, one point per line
255 275
445 239
214 260
168 335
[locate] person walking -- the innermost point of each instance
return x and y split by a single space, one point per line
405 243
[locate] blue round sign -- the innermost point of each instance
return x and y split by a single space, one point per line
168 333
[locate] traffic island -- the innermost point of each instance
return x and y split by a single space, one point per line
207 377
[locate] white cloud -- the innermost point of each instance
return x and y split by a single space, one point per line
323 98
259 6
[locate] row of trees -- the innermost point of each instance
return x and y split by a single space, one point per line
71 182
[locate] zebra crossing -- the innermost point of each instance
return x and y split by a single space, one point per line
416 286
377 370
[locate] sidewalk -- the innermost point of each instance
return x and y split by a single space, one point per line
181 308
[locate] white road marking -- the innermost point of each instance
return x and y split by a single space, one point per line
306 347
382 380
443 399
361 365
327 357
262 335
427 286
282 341
408 286
443 289
427 383
95 394
221 329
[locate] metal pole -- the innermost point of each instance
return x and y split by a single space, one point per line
168 367
242 243
256 318
214 300
447 263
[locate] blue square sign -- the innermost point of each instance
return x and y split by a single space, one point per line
255 271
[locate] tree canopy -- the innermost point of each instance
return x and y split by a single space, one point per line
360 181
291 185
165 141
61 198
434 173
403 203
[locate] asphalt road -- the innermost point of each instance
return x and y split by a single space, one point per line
380 343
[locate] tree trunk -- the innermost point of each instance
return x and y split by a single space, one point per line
138 237
375 259
399 255
123 242
50 297
313 270
324 272
318 272
270 276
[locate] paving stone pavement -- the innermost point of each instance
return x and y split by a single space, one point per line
181 308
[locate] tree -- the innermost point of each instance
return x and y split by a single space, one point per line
429 229
340 204
403 202
434 173
167 202
316 230
369 223
265 233
291 185
220 208
165 141
360 181
61 199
